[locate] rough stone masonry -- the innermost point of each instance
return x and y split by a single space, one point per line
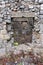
16 8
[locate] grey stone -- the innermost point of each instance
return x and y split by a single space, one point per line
1 27
9 17
41 7
41 12
41 28
1 15
41 16
8 21
40 1
9 27
1 19
2 52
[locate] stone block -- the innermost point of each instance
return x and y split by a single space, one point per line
9 17
5 17
9 27
1 36
41 7
41 16
1 43
7 12
11 33
40 1
1 15
8 21
8 4
41 38
41 28
3 32
4 23
12 40
4 37
2 52
41 12
31 6
1 27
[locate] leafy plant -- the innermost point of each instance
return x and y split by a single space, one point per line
15 43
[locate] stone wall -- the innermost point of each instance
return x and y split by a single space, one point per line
12 6
5 17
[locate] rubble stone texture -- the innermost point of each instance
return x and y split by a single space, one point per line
12 11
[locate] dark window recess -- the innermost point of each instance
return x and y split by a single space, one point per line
22 30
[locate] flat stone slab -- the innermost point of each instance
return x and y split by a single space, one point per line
23 14
2 52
